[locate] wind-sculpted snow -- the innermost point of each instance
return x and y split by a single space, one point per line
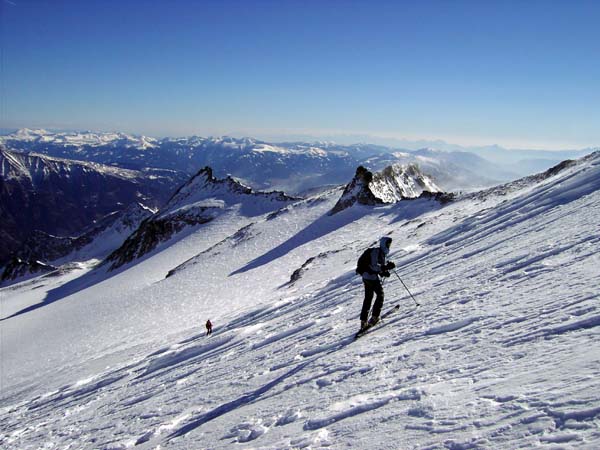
453 326
361 405
502 353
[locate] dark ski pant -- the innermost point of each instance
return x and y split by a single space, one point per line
372 287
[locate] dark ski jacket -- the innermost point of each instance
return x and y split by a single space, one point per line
378 260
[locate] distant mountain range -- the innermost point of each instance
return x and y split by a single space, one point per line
520 160
292 166
55 185
500 352
137 233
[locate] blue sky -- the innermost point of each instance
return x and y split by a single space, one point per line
519 74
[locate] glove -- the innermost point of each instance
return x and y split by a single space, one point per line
390 265
385 273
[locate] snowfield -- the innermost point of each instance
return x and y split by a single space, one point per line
504 351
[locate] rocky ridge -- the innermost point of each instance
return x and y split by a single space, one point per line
392 184
203 198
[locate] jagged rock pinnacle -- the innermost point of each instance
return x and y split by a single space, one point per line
392 184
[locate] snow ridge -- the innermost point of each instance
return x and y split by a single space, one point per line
204 187
201 200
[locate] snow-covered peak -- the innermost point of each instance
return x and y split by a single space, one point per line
204 185
398 181
392 184
201 200
357 191
29 134
205 190
79 138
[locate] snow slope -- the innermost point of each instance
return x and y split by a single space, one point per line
503 352
202 199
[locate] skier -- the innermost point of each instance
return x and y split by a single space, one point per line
208 327
377 266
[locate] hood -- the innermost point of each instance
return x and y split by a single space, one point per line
384 244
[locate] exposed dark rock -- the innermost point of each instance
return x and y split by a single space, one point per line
559 167
61 197
198 201
20 268
442 197
147 237
357 191
299 272
392 184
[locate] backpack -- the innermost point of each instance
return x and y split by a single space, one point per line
364 262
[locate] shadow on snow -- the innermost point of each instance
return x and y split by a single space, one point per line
321 227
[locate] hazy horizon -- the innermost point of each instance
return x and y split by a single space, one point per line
340 138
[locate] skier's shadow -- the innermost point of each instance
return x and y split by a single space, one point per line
319 228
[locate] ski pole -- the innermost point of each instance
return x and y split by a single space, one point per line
406 288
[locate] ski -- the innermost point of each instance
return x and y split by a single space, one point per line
364 331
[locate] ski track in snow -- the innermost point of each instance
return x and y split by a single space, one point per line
503 352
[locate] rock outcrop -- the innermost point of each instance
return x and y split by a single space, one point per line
18 268
392 184
200 200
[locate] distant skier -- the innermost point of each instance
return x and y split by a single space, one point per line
208 327
371 265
